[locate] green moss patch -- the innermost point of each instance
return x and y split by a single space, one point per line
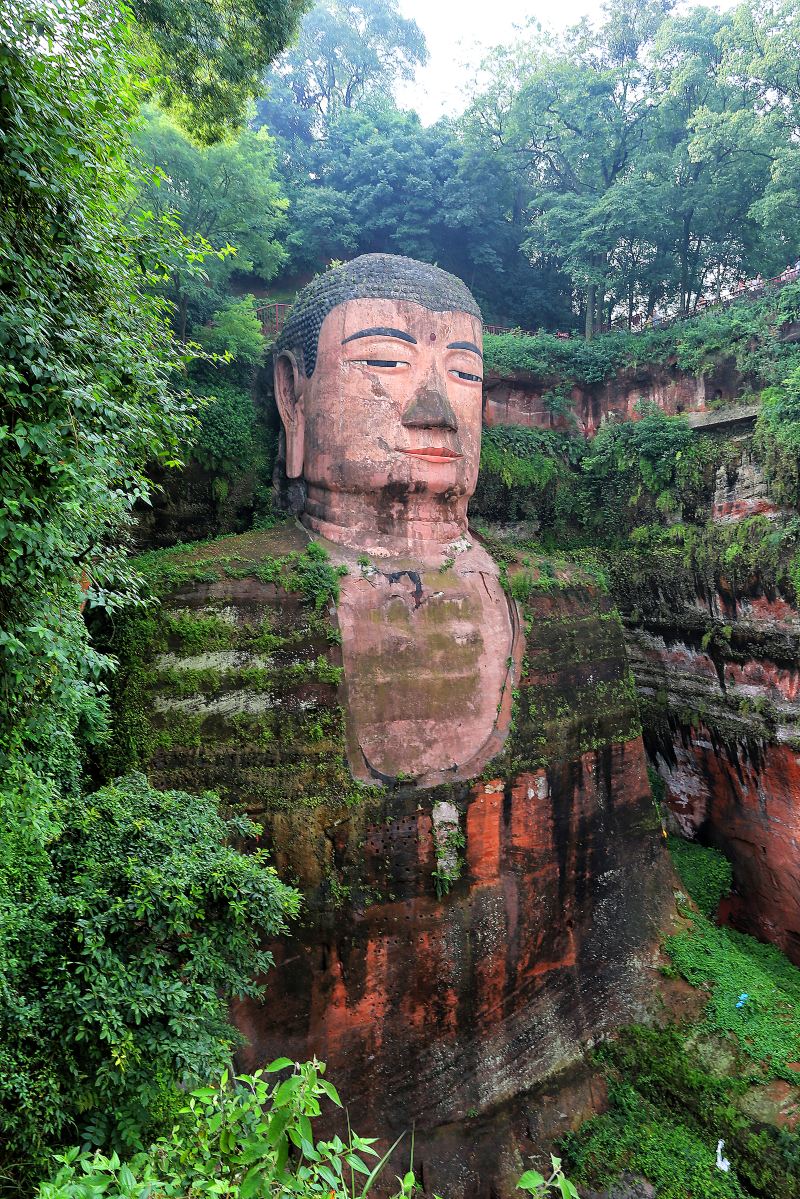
667 1110
705 872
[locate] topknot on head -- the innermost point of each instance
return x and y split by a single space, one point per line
371 276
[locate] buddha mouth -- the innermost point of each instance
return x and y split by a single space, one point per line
432 453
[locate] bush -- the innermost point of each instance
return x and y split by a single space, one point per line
137 928
235 330
744 332
778 438
253 1139
705 873
227 433
250 1138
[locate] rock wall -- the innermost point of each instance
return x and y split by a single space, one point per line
460 946
519 399
716 656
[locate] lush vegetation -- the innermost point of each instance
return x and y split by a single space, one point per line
675 1091
635 167
627 168
130 938
706 873
629 476
747 332
126 917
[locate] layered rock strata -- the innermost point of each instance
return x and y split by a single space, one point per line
716 656
461 946
521 398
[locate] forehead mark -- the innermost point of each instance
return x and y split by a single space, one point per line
381 331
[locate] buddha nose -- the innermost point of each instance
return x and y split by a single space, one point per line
430 408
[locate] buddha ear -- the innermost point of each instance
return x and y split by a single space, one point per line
289 388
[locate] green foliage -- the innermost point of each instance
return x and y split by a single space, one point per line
778 437
206 59
551 359
224 196
529 474
636 1137
249 1138
449 861
309 572
372 46
236 330
226 438
87 376
139 925
705 873
651 447
745 332
87 372
668 562
665 1089
576 490
535 1184
728 964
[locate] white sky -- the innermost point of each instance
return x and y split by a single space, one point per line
459 32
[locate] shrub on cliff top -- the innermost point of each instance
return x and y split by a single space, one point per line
745 331
778 438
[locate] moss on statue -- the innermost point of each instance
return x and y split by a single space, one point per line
215 664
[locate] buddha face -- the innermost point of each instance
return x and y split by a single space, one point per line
393 406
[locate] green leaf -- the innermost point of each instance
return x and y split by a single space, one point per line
531 1180
251 1183
280 1063
330 1091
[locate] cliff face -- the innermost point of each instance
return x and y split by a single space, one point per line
460 945
715 648
519 398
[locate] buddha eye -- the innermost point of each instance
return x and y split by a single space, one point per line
387 363
467 377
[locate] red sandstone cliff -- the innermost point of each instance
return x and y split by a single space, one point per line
465 1012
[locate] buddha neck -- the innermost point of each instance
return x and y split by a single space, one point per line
385 525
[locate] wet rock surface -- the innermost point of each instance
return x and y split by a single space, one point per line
717 665
461 946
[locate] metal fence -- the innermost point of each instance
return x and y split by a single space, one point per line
273 314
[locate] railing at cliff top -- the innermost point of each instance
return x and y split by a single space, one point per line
273 314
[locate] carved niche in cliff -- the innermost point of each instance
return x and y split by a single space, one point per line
378 378
493 901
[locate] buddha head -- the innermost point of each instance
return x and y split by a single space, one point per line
378 378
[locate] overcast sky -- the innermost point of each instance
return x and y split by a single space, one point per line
459 32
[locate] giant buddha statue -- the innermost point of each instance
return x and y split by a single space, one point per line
378 379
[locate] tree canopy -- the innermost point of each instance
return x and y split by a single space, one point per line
205 58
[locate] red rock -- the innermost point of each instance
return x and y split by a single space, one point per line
748 806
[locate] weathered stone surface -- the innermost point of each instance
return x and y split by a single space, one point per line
743 492
743 799
460 944
717 668
519 399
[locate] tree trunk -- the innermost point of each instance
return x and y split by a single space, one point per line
684 252
591 292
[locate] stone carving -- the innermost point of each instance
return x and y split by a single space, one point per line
378 380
